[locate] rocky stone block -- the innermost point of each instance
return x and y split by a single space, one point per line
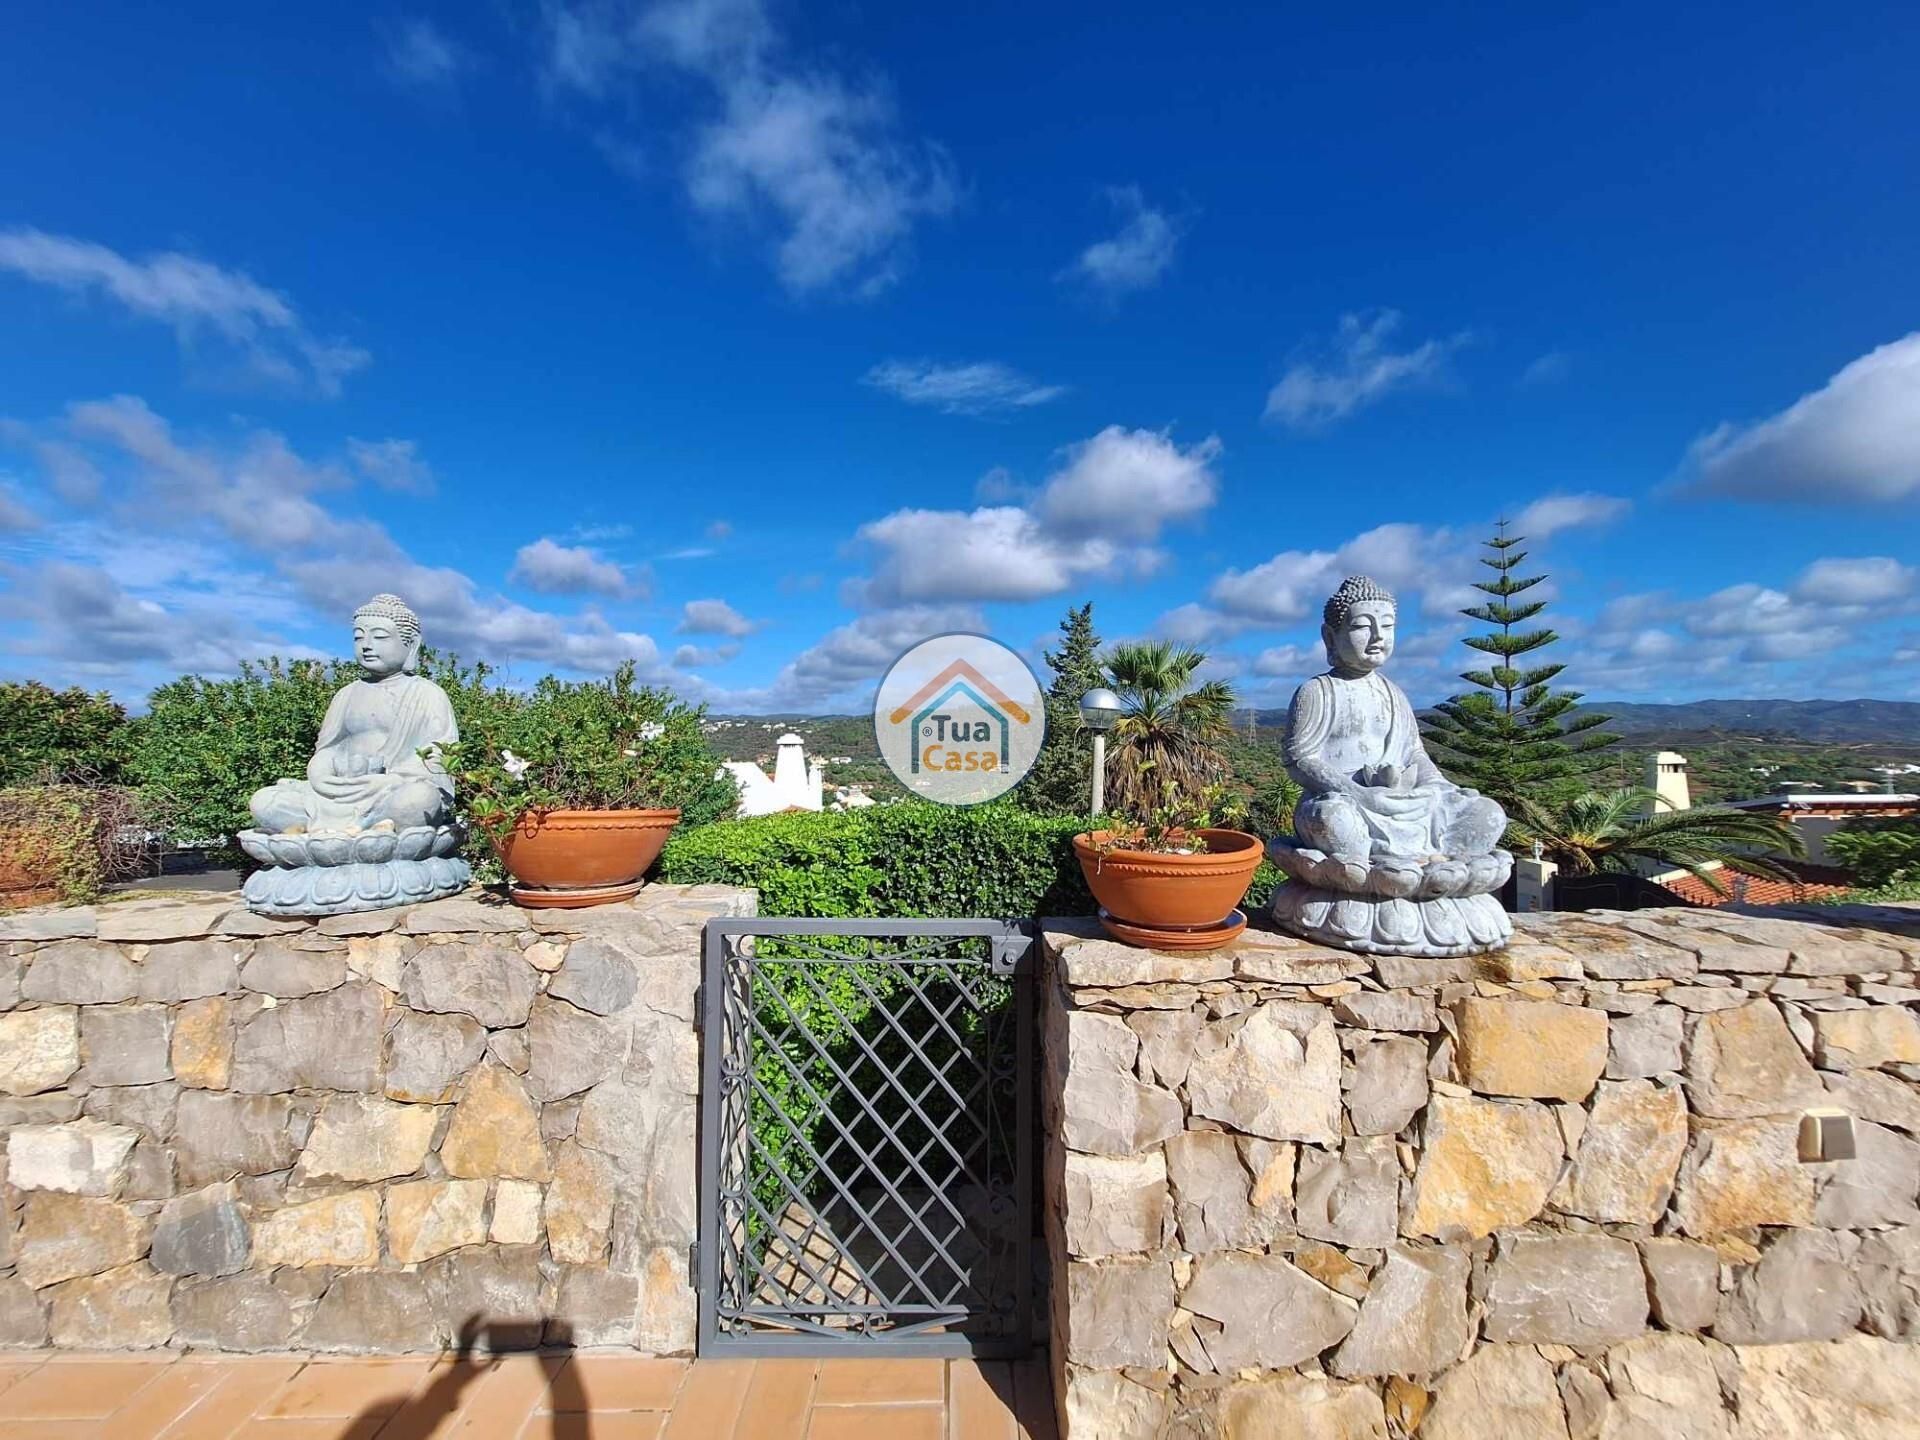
490 981
189 970
1352 1198
375 1311
516 1213
1117 1312
669 1310
122 1309
1683 1282
1861 1388
1500 1390
279 969
1870 1095
570 1050
1530 1049
1388 1010
428 1055
202 1046
39 1049
1566 1290
23 1315
249 1312
80 972
1486 1164
510 1048
1309 1407
1741 1173
62 1237
342 1230
1877 1187
1119 1204
1642 1046
1212 1192
426 1218
1104 1110
204 1233
599 975
329 1041
1108 1404
360 1137
1167 1040
1888 1271
579 1206
1271 1313
1386 1085
1414 1318
1802 1288
593 1306
125 1044
495 1130
495 1295
1258 1074
1866 1039
1608 950
218 1136
157 919
1742 1063
82 1157
1667 1386
1628 1154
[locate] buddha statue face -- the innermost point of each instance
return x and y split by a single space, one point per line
1363 640
386 637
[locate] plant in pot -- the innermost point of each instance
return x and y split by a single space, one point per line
576 786
1166 876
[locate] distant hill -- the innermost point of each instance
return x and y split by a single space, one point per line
1830 722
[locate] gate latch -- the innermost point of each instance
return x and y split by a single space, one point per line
1008 952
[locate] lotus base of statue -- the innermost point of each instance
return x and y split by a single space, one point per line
1432 907
321 872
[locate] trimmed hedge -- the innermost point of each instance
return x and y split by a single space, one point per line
912 859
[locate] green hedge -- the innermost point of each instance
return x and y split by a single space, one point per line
1878 852
911 859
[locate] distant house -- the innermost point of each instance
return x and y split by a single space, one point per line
1816 814
794 784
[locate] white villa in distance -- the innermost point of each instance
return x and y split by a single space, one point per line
795 785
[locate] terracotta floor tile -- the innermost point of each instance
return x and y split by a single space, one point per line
438 1405
80 1389
341 1388
980 1401
710 1401
617 1382
1033 1400
248 1384
777 1400
51 1429
600 1425
318 1428
881 1382
13 1370
173 1393
497 1408
877 1422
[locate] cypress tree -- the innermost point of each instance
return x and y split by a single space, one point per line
1061 780
1515 736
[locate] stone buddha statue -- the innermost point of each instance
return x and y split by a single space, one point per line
372 823
1389 855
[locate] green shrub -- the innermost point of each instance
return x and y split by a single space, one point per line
49 735
1878 852
67 842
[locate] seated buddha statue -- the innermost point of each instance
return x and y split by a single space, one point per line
1353 746
374 766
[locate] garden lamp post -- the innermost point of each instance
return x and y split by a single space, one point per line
1099 710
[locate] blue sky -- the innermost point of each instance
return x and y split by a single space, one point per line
757 341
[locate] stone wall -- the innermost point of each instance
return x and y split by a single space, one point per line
1552 1192
240 1133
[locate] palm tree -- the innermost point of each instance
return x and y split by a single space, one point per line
1606 831
1172 730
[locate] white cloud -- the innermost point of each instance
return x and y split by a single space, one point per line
1290 661
196 298
1871 580
817 153
555 569
1097 515
720 530
1361 372
714 617
1547 369
14 513
1551 514
1410 560
392 465
694 657
1854 439
980 388
1137 255
420 56
846 664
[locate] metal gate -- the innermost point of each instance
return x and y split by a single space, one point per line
866 1137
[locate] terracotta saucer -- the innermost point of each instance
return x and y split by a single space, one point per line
1199 937
533 898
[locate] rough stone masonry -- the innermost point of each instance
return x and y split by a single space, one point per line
239 1133
1549 1193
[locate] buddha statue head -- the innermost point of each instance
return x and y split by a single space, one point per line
1357 626
386 637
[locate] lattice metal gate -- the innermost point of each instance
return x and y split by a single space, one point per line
866 1148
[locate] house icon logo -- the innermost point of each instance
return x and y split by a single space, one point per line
959 719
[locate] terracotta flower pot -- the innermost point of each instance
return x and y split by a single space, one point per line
565 859
1143 889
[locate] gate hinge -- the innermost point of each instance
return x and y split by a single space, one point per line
1008 952
693 1265
699 1005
